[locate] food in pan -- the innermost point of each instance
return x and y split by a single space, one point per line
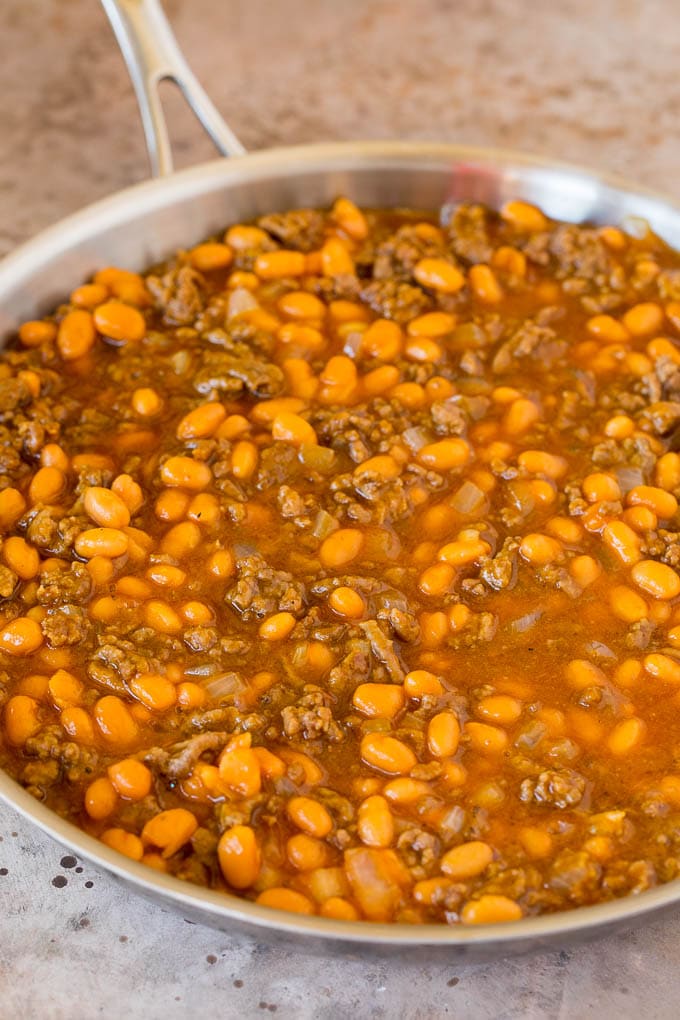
339 564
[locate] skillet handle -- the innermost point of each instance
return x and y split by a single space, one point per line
152 55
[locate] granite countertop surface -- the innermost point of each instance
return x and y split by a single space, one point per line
591 81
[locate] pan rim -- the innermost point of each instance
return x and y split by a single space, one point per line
216 905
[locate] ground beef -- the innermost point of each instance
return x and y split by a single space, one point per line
384 650
14 394
66 625
300 229
354 667
226 376
260 590
469 234
121 656
393 300
178 761
179 295
530 340
397 256
561 788
575 874
501 570
311 717
8 581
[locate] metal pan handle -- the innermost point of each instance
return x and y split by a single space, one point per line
152 55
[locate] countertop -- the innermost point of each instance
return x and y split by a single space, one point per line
591 81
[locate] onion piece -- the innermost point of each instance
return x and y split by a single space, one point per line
324 524
469 499
240 300
416 438
628 477
223 685
526 622
352 343
319 458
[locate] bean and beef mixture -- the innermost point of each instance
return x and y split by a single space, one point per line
340 563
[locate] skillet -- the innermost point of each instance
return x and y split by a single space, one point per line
141 225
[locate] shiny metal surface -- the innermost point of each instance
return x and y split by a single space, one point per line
152 55
142 224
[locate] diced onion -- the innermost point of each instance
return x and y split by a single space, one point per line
352 343
416 438
629 477
240 300
526 622
223 685
469 499
324 524
319 458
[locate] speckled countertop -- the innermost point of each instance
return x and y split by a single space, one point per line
594 81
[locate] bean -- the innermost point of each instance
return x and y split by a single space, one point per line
375 824
499 708
22 636
291 428
627 605
623 541
21 719
540 550
239 856
336 259
114 720
101 799
341 547
240 770
190 696
305 853
77 724
347 603
170 830
124 842
244 459
378 701
127 489
350 219
439 275
437 579
46 486
310 816
109 542
626 736
339 909
106 508
536 842
37 332
484 284
211 256
221 564
154 691
65 689
181 540
277 627
490 909
420 683
486 739
664 504
444 455
523 217
12 505
657 579
383 339
76 334
644 319
663 667
186 473
202 422
280 898
443 734
538 462
130 778
467 860
520 417
172 505
387 754
21 557
274 265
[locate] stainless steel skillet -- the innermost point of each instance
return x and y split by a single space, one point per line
144 223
